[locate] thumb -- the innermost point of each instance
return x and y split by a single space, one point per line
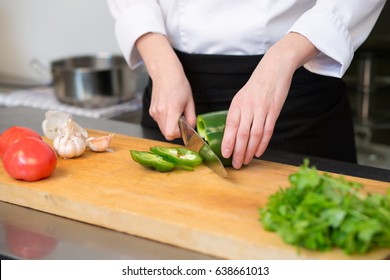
189 113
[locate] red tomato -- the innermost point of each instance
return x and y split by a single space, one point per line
29 159
13 135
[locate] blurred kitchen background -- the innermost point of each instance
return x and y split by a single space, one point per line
33 34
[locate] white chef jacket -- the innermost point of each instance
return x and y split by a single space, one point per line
247 27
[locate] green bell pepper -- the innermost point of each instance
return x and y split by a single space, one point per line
149 159
165 159
180 156
211 127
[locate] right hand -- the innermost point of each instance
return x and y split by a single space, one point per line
171 98
171 93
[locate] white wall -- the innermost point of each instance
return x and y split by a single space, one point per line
50 29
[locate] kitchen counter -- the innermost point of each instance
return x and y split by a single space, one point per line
70 239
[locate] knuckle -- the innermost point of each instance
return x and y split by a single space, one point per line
169 137
152 112
243 134
231 123
268 131
256 133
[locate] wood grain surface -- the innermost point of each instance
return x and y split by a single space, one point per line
196 210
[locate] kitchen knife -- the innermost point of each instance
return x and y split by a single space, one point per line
194 142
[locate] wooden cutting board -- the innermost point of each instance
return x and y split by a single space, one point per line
196 210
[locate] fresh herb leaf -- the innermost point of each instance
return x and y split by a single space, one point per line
319 212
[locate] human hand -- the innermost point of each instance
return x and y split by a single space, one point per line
171 98
255 108
253 113
171 93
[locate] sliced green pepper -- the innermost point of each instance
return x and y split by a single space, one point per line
211 127
211 122
178 155
149 159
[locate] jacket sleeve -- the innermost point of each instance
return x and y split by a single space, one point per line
337 28
134 18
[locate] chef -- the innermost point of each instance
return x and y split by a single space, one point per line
276 66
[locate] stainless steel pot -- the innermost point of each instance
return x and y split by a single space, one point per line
96 81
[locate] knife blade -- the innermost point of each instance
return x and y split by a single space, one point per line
193 141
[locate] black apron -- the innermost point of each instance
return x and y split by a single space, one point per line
316 119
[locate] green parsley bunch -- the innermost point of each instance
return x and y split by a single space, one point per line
320 212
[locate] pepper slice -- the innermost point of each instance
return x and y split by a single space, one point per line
149 159
211 127
180 156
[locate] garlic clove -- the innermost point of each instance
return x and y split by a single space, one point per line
56 121
99 144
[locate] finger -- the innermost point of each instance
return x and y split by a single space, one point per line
255 136
171 130
189 113
160 119
267 134
242 139
230 132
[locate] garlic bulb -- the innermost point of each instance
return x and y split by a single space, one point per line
55 123
99 144
69 144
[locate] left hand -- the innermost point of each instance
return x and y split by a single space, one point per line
255 108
